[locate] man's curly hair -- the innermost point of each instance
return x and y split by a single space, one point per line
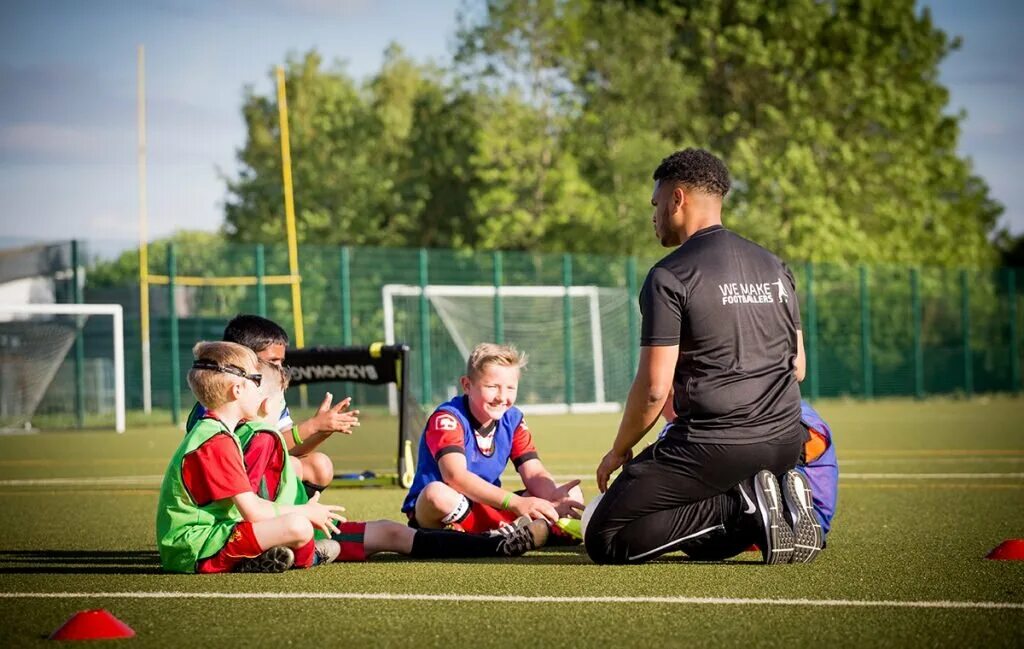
695 169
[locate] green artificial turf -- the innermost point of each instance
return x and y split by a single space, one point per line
896 537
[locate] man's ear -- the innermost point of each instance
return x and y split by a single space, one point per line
678 197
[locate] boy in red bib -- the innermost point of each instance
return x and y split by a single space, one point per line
468 442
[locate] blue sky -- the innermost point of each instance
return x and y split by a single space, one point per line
67 79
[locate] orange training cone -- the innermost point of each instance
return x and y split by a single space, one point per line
1010 550
97 624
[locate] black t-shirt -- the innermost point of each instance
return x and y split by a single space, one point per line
731 306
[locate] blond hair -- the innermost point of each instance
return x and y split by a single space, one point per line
486 354
210 387
275 378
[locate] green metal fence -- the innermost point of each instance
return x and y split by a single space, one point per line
869 332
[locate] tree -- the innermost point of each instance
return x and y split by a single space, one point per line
347 148
829 115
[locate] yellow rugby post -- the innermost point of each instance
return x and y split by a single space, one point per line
140 100
289 208
146 279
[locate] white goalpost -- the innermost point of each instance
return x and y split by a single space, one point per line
33 348
536 323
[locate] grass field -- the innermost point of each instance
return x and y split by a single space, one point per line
927 489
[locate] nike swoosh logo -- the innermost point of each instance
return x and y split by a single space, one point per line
750 503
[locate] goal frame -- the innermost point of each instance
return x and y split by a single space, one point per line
116 312
599 405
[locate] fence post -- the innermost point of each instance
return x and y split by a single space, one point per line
261 288
865 334
570 388
77 298
965 326
499 305
915 308
345 279
811 350
634 326
1011 292
172 315
427 395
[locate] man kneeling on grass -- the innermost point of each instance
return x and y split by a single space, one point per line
210 518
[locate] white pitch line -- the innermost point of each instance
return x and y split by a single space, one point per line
526 599
929 476
155 479
846 476
84 481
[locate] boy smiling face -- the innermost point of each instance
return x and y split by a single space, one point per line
491 392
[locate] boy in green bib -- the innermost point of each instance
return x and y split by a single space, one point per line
272 475
209 519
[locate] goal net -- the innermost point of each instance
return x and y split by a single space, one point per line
576 338
61 365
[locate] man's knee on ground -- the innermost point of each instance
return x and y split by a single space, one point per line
600 542
602 551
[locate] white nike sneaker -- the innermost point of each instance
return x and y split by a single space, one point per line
776 541
796 492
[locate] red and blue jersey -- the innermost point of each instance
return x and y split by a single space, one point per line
488 450
820 466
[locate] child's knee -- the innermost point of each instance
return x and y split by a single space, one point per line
318 469
296 465
296 528
439 496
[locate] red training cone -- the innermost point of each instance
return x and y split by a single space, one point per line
753 548
1009 550
97 624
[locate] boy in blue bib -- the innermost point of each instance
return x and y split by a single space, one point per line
465 447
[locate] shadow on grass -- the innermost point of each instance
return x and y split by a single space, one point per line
79 562
561 556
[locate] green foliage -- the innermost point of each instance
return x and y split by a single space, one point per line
829 115
544 133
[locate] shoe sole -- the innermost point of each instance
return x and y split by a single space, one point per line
524 539
276 559
778 537
806 529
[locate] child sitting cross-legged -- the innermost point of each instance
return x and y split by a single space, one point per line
466 446
209 520
271 473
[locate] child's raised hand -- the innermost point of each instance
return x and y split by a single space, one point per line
337 418
323 517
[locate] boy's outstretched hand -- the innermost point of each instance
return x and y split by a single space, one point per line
323 517
336 419
566 503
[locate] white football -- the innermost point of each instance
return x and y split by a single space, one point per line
588 512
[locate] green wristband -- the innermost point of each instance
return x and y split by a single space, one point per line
295 435
508 500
